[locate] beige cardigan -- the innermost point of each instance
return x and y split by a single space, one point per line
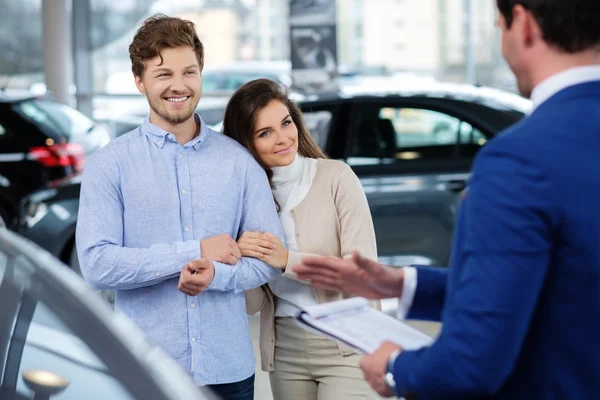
332 220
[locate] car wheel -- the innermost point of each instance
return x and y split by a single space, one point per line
107 295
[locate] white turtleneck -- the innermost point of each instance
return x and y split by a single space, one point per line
290 186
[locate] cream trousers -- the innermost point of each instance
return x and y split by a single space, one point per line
310 367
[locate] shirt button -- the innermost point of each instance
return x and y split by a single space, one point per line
181 156
187 229
169 136
184 191
194 340
193 305
157 274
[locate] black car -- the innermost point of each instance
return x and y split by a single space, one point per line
41 142
59 341
411 150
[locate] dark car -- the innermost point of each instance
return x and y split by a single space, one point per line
41 142
58 341
411 150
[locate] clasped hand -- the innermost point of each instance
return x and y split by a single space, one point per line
265 247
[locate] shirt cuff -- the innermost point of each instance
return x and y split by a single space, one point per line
187 251
409 288
222 276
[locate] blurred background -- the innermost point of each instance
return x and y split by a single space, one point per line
404 91
80 48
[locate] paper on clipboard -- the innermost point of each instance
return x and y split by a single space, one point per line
355 323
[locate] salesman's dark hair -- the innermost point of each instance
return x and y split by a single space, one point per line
570 25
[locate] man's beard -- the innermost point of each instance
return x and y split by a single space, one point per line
173 118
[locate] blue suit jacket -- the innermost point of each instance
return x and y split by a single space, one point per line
520 304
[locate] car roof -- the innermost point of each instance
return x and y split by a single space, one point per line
434 90
13 96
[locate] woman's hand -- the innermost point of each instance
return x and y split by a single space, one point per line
265 247
279 257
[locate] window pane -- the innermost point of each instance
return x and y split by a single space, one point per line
34 113
471 135
318 123
70 120
415 127
393 134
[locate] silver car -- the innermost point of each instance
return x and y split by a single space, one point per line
60 340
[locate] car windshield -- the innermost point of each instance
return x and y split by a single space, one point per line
57 117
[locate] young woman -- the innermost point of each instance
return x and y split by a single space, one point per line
323 211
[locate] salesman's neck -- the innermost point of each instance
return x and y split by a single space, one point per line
555 63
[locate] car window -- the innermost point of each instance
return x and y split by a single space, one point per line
318 124
69 119
32 112
58 118
401 134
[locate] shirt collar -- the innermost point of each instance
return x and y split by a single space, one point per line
158 135
562 80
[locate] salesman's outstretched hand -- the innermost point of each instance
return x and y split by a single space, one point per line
357 276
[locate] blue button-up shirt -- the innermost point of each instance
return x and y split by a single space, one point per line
146 202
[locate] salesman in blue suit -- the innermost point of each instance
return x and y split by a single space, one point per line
520 304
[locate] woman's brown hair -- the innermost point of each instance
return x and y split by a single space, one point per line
242 111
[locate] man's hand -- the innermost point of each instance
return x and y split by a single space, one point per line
221 248
357 276
196 276
374 368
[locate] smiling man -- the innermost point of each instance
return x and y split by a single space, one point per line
160 208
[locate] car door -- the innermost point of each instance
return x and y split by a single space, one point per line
413 159
57 340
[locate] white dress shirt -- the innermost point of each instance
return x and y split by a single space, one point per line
290 186
563 80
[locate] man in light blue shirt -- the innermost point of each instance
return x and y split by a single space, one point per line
170 192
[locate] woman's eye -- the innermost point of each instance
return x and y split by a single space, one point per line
287 123
263 134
